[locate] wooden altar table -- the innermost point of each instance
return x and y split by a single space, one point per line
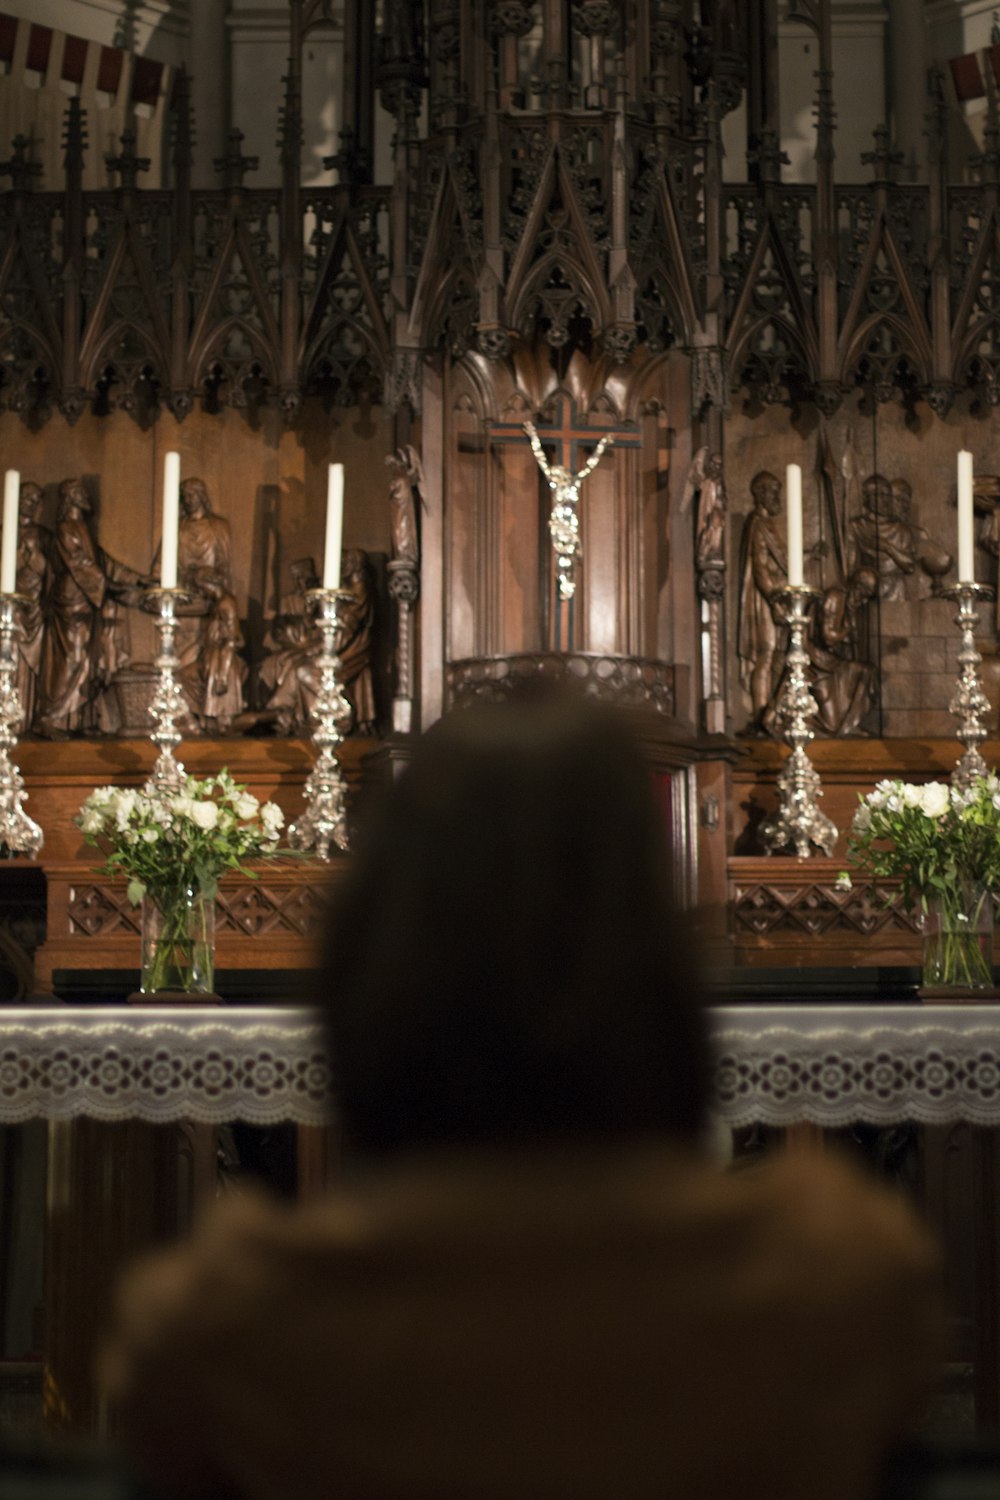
777 1065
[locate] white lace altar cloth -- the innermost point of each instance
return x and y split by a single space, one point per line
208 1064
776 1064
836 1064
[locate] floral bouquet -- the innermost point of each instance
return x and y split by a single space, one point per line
942 844
173 847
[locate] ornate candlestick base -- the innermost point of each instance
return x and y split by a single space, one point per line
324 822
798 821
19 834
969 702
168 703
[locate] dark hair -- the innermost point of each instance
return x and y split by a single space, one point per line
504 960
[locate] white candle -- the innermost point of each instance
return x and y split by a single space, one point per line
966 522
334 526
171 520
8 549
793 487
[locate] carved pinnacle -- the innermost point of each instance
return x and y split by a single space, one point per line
234 165
19 169
126 163
882 159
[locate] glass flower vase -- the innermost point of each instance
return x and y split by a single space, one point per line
178 943
958 938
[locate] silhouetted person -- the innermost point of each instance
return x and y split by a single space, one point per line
531 1284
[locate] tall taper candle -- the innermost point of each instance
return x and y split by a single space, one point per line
793 488
8 551
171 520
334 526
966 524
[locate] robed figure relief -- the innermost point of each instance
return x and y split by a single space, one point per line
86 636
291 672
293 641
34 567
763 573
405 486
883 537
212 673
842 681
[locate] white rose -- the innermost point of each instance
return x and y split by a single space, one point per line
912 795
204 814
246 805
181 807
150 835
935 801
272 817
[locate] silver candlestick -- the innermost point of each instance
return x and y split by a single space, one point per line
168 703
969 703
798 820
324 821
19 834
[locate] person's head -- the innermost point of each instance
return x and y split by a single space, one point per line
73 497
304 575
876 493
29 502
902 498
862 586
194 497
765 488
504 964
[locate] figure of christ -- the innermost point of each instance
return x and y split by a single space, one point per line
84 633
564 519
34 567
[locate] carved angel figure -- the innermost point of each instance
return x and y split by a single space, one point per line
407 482
705 479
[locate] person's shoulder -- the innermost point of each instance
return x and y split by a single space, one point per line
826 1210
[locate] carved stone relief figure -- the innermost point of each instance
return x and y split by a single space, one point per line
986 496
763 572
212 673
842 681
354 639
85 637
293 640
883 537
295 671
34 566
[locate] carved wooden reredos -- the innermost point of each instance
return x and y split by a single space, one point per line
578 216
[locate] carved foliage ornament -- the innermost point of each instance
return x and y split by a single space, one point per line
596 17
513 17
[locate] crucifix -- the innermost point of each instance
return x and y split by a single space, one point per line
568 437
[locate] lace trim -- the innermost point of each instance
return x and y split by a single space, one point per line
148 1068
930 1075
263 1065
